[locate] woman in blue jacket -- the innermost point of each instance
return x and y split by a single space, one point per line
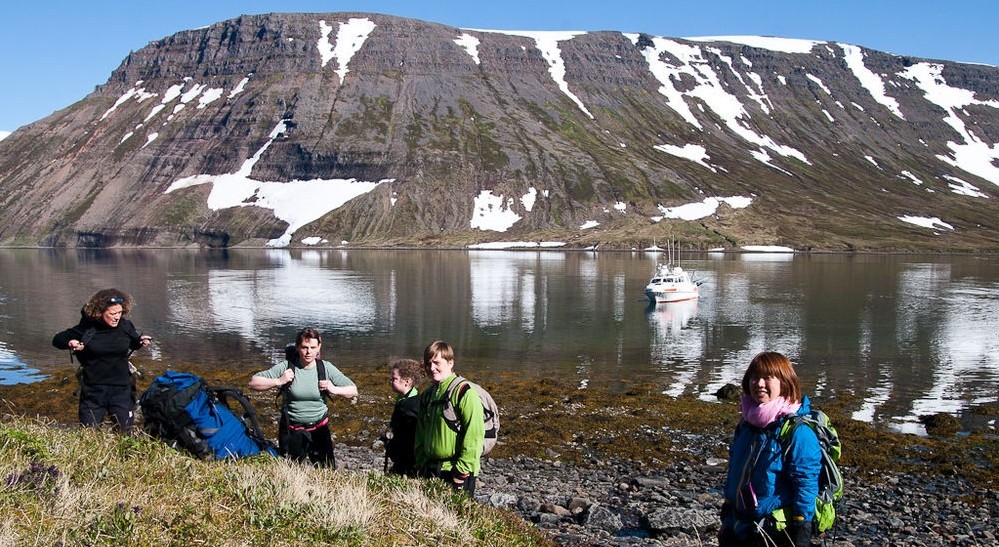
771 486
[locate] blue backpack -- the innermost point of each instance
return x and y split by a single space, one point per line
180 409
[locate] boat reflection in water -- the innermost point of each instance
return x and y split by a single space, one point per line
675 348
668 318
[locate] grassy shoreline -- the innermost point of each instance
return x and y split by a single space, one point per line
75 486
551 419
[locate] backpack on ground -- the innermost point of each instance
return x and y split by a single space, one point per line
830 478
182 410
490 411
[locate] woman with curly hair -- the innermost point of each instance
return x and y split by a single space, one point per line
102 342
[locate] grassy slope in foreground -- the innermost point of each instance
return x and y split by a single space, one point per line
93 487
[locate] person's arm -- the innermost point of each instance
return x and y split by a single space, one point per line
473 434
804 463
348 392
337 383
67 339
271 378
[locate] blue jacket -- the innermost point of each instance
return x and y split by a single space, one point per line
777 480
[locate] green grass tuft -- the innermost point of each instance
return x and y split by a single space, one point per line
69 485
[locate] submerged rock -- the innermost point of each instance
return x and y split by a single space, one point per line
729 392
940 424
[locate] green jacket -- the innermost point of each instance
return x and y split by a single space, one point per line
436 442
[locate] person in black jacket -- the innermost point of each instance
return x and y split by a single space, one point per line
102 343
400 438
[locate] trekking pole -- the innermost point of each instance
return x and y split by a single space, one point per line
386 439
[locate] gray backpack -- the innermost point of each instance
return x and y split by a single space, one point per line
490 411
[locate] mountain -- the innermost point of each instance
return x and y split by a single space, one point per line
320 129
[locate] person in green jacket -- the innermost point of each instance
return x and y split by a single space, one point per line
453 456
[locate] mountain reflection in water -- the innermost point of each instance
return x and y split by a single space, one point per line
905 335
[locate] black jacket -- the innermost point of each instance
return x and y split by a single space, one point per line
106 349
403 427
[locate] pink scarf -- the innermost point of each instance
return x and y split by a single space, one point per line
765 414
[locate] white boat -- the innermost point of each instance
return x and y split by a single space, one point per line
671 284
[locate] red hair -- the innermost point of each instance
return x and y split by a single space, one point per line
771 363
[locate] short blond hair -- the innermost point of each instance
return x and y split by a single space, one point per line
437 347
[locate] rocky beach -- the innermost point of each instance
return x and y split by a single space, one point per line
630 466
619 503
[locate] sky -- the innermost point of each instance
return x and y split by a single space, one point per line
56 51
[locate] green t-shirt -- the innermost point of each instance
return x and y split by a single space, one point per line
305 402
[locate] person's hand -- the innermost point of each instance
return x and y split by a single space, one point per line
287 377
75 345
326 385
145 340
458 478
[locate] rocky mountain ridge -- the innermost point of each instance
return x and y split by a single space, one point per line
362 129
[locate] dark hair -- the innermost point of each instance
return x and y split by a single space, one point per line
409 369
104 299
437 347
771 363
311 333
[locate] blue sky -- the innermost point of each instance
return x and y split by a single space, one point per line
55 51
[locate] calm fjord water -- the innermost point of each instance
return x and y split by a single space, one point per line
906 335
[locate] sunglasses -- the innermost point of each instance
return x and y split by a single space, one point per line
116 300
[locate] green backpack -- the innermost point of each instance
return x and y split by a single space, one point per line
830 478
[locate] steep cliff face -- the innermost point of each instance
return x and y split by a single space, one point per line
290 129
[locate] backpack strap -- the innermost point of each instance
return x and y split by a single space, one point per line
88 335
786 431
320 372
462 390
450 403
248 416
461 385
85 337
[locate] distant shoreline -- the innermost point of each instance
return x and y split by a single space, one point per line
601 249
